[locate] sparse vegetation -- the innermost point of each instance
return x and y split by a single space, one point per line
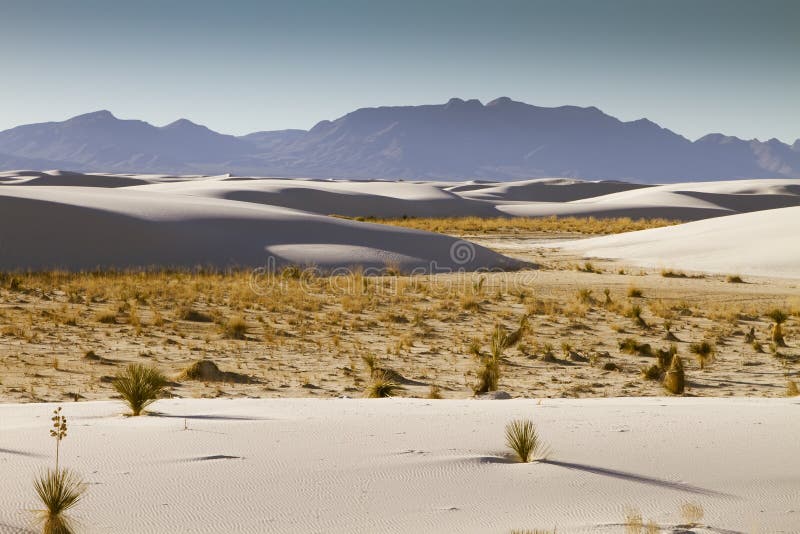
235 328
523 438
704 352
382 386
139 386
675 379
778 317
484 225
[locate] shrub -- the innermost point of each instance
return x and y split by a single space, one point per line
704 352
523 439
235 328
635 313
675 378
187 313
106 317
635 292
735 279
779 317
383 386
652 372
139 386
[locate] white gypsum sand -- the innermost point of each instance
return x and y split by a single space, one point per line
402 465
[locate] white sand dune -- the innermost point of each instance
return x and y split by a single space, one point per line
376 198
765 243
85 228
71 220
403 465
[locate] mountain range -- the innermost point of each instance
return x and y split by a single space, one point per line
459 140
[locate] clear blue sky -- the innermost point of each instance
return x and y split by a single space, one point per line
694 66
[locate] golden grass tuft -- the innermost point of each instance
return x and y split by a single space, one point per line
383 386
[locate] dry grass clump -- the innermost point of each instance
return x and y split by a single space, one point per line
791 389
382 386
692 514
635 293
235 328
139 386
187 313
675 377
631 346
734 279
778 317
524 440
493 225
704 351
106 317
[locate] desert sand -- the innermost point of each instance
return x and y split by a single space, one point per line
236 462
400 465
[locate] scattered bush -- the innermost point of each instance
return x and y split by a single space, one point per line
523 439
675 378
235 328
779 317
704 352
139 386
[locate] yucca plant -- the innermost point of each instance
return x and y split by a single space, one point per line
523 439
704 352
635 313
58 489
779 317
139 386
675 378
383 386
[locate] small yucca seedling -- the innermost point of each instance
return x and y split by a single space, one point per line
704 352
383 386
523 439
140 386
675 378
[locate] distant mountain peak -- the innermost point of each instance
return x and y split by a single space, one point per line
184 124
94 116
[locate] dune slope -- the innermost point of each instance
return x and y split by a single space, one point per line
86 228
763 243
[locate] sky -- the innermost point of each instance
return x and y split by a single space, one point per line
693 66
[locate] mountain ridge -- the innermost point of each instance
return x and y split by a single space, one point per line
461 139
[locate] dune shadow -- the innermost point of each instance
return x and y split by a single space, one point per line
21 453
634 477
208 417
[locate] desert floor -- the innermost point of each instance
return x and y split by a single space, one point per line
413 465
64 336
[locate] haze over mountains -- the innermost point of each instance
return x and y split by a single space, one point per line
459 140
